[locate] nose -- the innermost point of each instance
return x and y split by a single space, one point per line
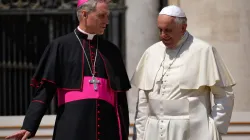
163 35
107 20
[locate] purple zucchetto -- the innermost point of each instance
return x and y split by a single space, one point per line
80 2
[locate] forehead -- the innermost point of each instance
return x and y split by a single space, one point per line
165 20
102 7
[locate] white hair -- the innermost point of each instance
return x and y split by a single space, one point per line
88 6
180 20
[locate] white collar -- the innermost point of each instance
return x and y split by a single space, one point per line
90 36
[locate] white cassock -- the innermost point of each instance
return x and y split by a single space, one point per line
180 107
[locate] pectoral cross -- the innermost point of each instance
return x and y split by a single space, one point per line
94 81
159 83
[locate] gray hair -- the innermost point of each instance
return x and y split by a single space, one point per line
89 6
180 20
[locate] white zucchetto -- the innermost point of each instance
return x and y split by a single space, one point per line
173 11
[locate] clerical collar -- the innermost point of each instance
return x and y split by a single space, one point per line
89 36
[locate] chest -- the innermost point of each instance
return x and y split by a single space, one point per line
168 76
87 59
171 68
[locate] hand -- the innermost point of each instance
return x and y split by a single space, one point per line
20 135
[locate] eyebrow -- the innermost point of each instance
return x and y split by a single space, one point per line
104 12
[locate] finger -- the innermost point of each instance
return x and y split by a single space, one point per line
19 137
15 135
12 136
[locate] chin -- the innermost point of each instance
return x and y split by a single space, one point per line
170 46
100 33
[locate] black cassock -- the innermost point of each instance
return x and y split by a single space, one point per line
64 66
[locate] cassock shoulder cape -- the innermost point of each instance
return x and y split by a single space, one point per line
203 66
63 65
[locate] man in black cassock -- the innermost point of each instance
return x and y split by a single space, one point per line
88 76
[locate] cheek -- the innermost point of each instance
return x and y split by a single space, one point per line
92 22
96 22
177 34
177 37
89 21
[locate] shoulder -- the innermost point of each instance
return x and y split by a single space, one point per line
198 44
153 52
110 47
63 42
63 39
155 48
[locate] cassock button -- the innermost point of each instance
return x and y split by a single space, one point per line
98 125
99 119
98 112
99 133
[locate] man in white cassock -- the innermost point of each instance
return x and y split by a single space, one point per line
175 78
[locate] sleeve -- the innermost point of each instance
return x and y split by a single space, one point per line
124 113
141 114
38 107
223 107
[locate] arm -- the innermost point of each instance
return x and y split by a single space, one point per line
222 110
124 113
141 114
38 107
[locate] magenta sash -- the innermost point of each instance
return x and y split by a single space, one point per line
104 92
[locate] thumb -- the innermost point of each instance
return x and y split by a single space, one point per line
26 135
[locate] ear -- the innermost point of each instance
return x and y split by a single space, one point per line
184 27
84 13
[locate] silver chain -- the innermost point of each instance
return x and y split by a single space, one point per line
92 72
163 73
171 63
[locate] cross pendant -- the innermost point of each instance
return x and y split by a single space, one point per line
159 83
94 81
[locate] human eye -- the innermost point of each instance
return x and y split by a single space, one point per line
169 30
101 15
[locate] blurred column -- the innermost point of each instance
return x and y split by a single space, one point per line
141 32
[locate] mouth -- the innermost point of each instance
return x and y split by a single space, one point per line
167 40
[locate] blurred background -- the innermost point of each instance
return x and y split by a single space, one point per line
27 26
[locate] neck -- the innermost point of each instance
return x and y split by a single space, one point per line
84 28
84 31
182 40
